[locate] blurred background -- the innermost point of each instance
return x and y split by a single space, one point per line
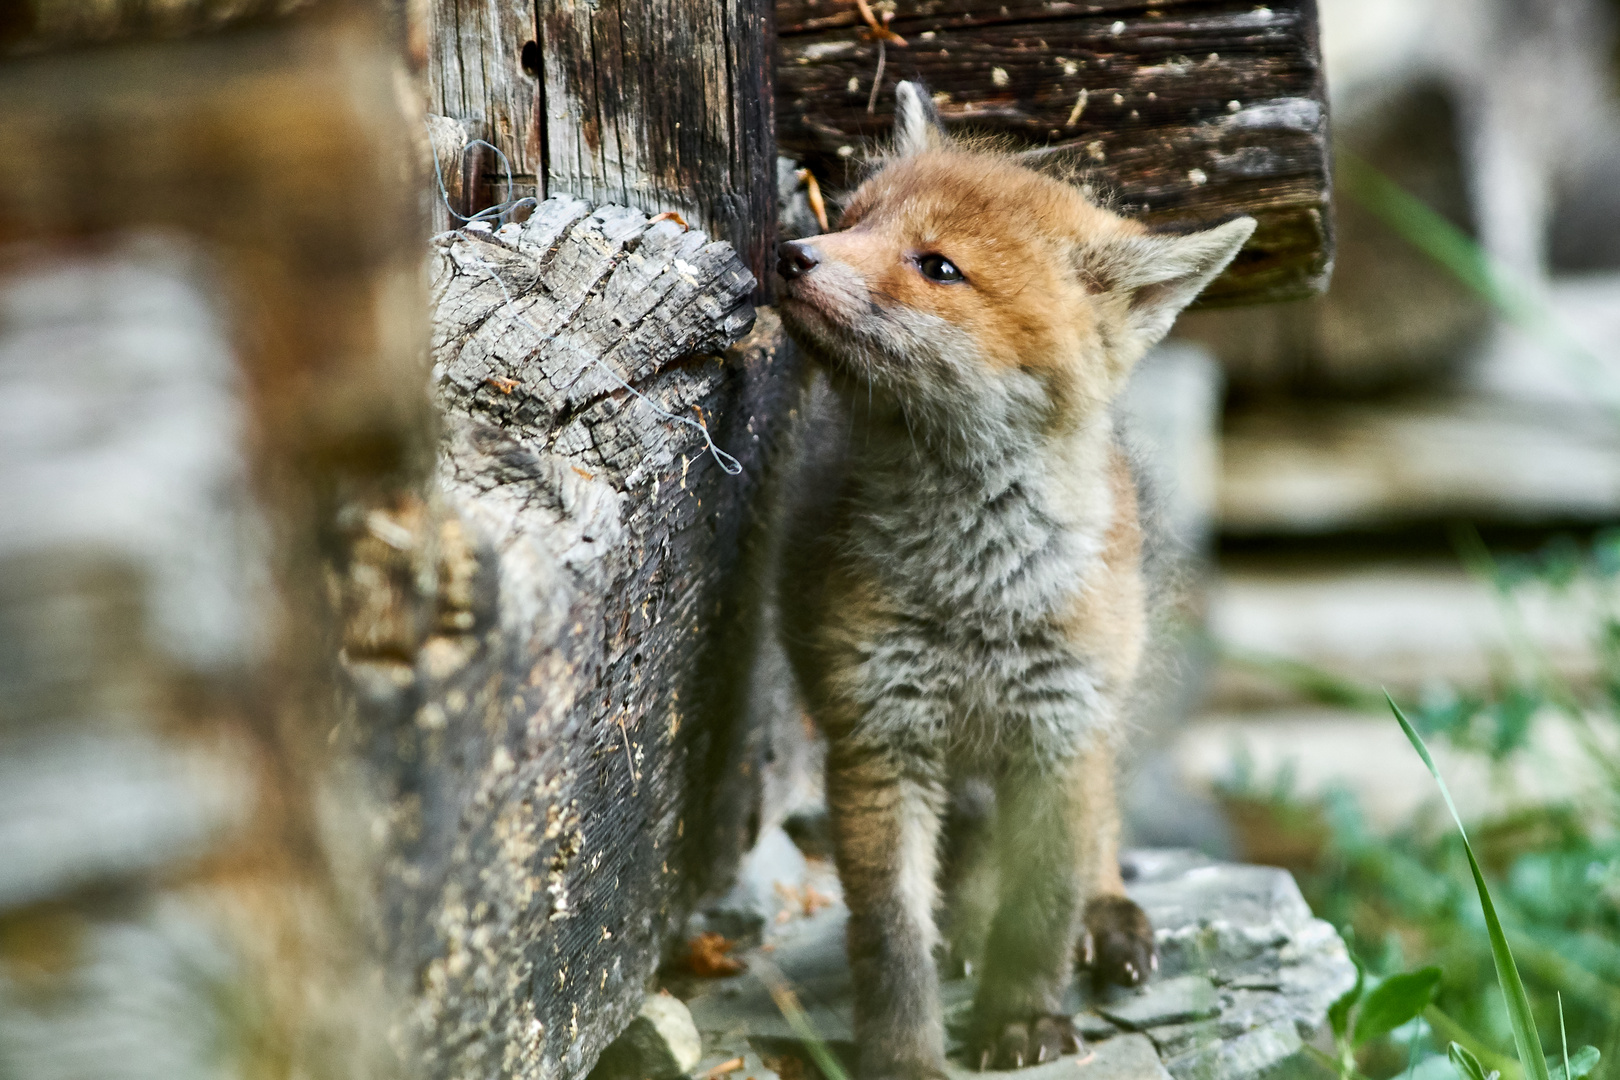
1410 484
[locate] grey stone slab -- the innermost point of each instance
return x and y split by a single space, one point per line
1093 1027
766 884
1275 971
752 1067
1172 1001
1223 920
1174 1040
1128 1057
1239 1058
661 1043
811 960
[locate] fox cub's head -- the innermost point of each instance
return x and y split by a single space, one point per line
964 286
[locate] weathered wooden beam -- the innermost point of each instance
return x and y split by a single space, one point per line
656 104
571 746
567 749
483 70
1179 113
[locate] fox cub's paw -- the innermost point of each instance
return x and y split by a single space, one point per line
1016 1043
1118 942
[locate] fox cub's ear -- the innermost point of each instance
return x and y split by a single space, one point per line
1161 273
917 126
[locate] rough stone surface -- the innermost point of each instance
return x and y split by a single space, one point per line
661 1043
1246 972
746 1065
1093 1027
1171 1001
1248 1054
1129 1057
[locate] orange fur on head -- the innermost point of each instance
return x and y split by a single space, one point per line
1051 287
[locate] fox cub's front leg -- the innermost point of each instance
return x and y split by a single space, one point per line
1018 1016
1116 942
1057 845
885 817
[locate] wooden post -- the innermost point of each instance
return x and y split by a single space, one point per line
567 752
660 105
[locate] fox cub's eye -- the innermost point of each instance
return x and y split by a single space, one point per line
938 268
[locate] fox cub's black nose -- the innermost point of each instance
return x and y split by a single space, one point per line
794 259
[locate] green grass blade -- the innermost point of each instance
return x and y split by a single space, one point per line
1563 1035
1430 232
1466 1064
1586 1058
1433 234
788 1003
1525 1039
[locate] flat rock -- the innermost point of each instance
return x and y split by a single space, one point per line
752 1066
1128 1057
661 1043
1170 1001
1247 971
771 876
1246 1055
1093 1027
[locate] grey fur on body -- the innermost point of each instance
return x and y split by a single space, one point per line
969 542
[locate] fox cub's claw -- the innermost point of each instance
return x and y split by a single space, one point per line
1024 1042
1118 942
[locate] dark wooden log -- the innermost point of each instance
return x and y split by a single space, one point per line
1179 113
566 749
656 104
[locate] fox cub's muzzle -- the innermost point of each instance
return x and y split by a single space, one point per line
795 259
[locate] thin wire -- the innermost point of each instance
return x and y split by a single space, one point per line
728 464
489 213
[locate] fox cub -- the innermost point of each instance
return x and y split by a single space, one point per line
962 597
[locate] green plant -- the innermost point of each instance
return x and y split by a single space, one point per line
1371 1011
1411 898
1555 865
1525 1039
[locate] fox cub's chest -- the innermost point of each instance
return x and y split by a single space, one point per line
965 627
995 552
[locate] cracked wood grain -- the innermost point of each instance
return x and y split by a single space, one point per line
569 749
656 104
